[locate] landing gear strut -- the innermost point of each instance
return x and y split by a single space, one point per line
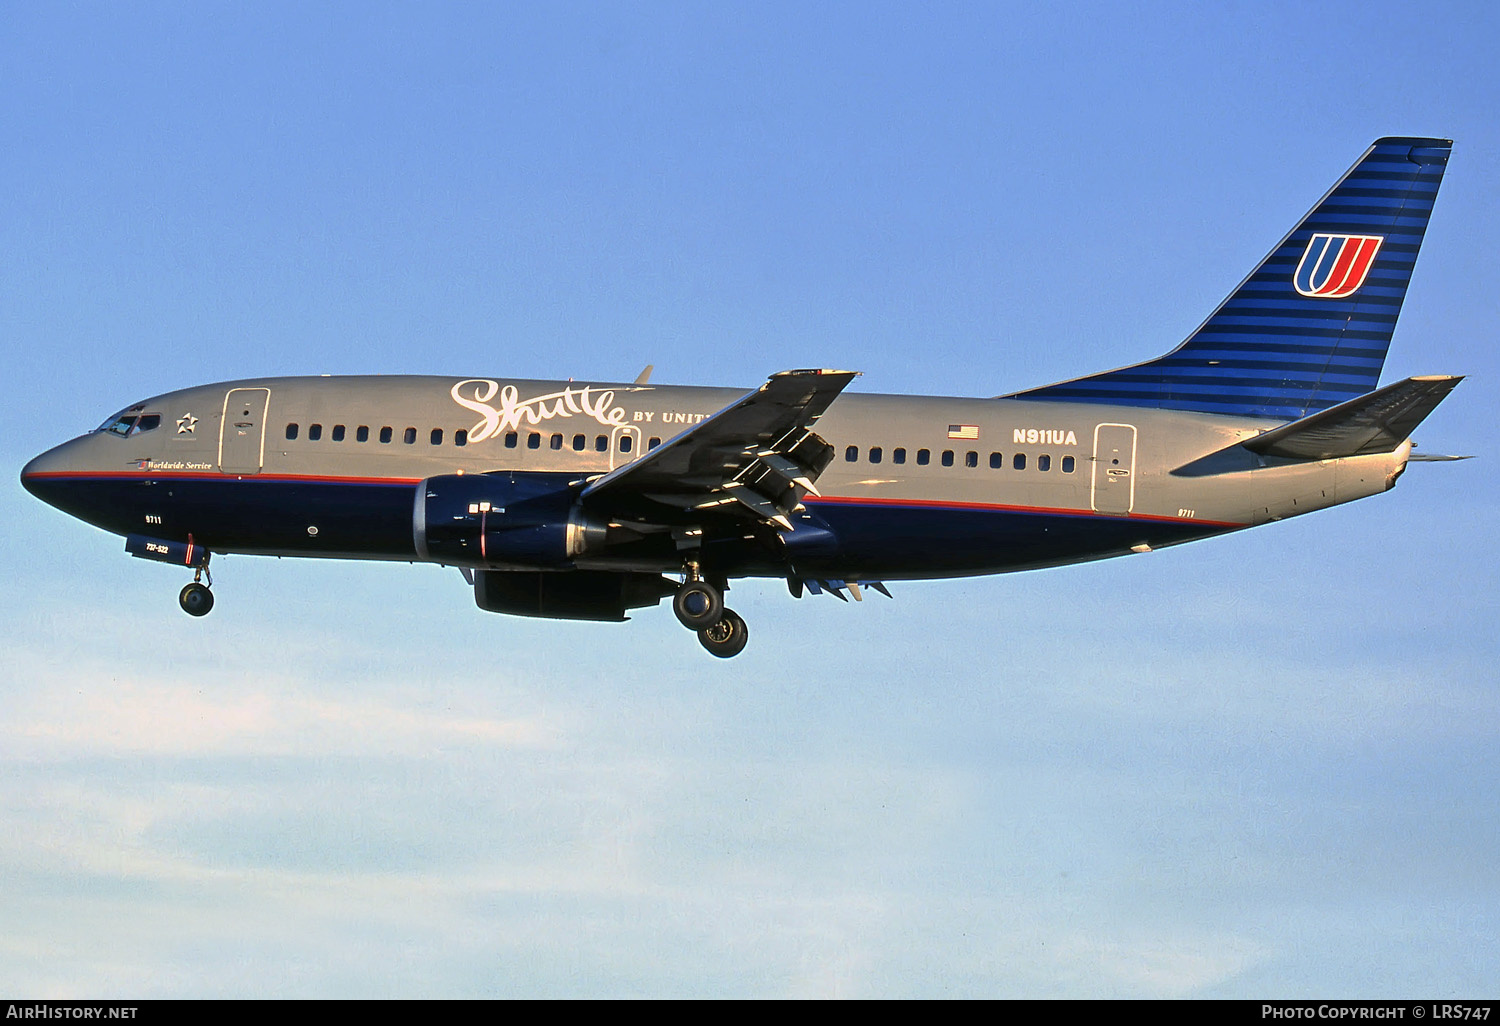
727 637
195 599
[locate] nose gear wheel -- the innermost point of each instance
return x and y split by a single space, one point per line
196 599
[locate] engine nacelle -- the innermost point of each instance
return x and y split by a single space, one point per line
502 520
569 594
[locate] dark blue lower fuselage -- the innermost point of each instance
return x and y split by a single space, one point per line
373 519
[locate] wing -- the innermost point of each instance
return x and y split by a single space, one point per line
753 460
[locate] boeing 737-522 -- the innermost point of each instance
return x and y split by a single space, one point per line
586 500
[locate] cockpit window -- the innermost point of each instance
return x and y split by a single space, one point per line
127 424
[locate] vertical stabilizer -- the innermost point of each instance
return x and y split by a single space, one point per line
1310 327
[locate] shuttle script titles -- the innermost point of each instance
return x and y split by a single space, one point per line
513 410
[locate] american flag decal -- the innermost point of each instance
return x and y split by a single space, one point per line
963 431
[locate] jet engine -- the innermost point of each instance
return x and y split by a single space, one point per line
502 520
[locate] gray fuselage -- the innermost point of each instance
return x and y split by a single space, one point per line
917 487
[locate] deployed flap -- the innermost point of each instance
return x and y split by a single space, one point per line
755 458
1377 422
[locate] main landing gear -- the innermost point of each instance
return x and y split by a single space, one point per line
699 606
727 637
195 599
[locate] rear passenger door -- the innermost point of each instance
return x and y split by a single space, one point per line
1113 487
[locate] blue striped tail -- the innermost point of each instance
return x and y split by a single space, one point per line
1310 327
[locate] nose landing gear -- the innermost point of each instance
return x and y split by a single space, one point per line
196 599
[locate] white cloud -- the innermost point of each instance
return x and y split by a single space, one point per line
161 719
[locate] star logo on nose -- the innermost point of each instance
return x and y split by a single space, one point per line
186 423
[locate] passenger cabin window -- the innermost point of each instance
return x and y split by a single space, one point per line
924 457
461 437
338 432
436 438
653 443
1044 462
996 461
385 434
511 438
851 454
533 441
1067 465
898 455
1019 461
362 433
579 442
409 436
291 432
314 432
876 454
556 442
947 457
971 459
601 443
625 443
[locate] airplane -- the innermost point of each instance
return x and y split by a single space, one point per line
587 500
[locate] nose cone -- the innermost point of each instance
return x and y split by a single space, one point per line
73 478
42 477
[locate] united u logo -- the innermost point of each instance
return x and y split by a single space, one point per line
1335 266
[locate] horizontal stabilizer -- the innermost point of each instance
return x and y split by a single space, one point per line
1373 423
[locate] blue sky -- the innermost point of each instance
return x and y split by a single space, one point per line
1261 765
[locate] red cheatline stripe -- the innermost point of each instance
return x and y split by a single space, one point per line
995 507
214 476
